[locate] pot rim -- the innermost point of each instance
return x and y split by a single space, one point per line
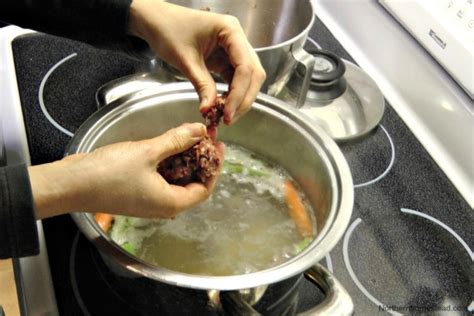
294 39
326 239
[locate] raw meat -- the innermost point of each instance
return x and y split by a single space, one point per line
200 162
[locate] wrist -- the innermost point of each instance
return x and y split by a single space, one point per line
137 21
150 19
57 189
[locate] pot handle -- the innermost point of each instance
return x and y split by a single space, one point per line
306 60
337 301
124 86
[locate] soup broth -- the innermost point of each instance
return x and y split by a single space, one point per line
243 227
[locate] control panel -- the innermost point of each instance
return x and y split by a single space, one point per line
446 29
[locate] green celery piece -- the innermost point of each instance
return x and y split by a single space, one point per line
303 244
235 167
257 173
128 247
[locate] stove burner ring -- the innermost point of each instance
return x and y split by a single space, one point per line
443 225
345 253
74 284
355 279
72 276
389 167
41 98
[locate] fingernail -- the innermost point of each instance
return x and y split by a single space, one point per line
195 130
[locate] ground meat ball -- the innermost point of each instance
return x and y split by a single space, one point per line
197 164
214 114
200 162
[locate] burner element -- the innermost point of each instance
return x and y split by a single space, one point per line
41 97
389 167
443 225
372 159
345 250
412 280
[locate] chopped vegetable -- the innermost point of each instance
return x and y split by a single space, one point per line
128 247
104 221
303 244
233 167
129 232
297 210
237 168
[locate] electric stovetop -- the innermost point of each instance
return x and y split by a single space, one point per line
408 245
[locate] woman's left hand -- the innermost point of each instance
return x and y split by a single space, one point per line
121 178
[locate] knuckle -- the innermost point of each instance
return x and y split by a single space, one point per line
246 69
147 149
261 74
173 208
231 21
203 85
176 141
244 108
205 195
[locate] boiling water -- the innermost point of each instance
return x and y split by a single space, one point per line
243 227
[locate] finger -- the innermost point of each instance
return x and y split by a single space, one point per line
177 140
240 57
195 69
237 91
188 196
258 78
74 157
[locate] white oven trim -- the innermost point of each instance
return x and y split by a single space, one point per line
32 274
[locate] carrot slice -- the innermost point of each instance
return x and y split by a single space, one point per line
104 221
297 210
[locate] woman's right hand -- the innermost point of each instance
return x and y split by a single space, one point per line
120 179
197 43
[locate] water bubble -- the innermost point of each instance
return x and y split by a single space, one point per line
226 194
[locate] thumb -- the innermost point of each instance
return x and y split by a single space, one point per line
177 140
202 81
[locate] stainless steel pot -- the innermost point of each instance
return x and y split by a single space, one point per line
3 157
272 129
277 29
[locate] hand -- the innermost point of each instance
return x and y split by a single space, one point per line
120 179
197 42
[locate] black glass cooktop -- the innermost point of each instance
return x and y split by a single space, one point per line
407 248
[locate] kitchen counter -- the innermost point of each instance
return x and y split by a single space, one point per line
8 293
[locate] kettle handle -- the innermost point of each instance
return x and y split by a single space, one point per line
337 300
307 61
